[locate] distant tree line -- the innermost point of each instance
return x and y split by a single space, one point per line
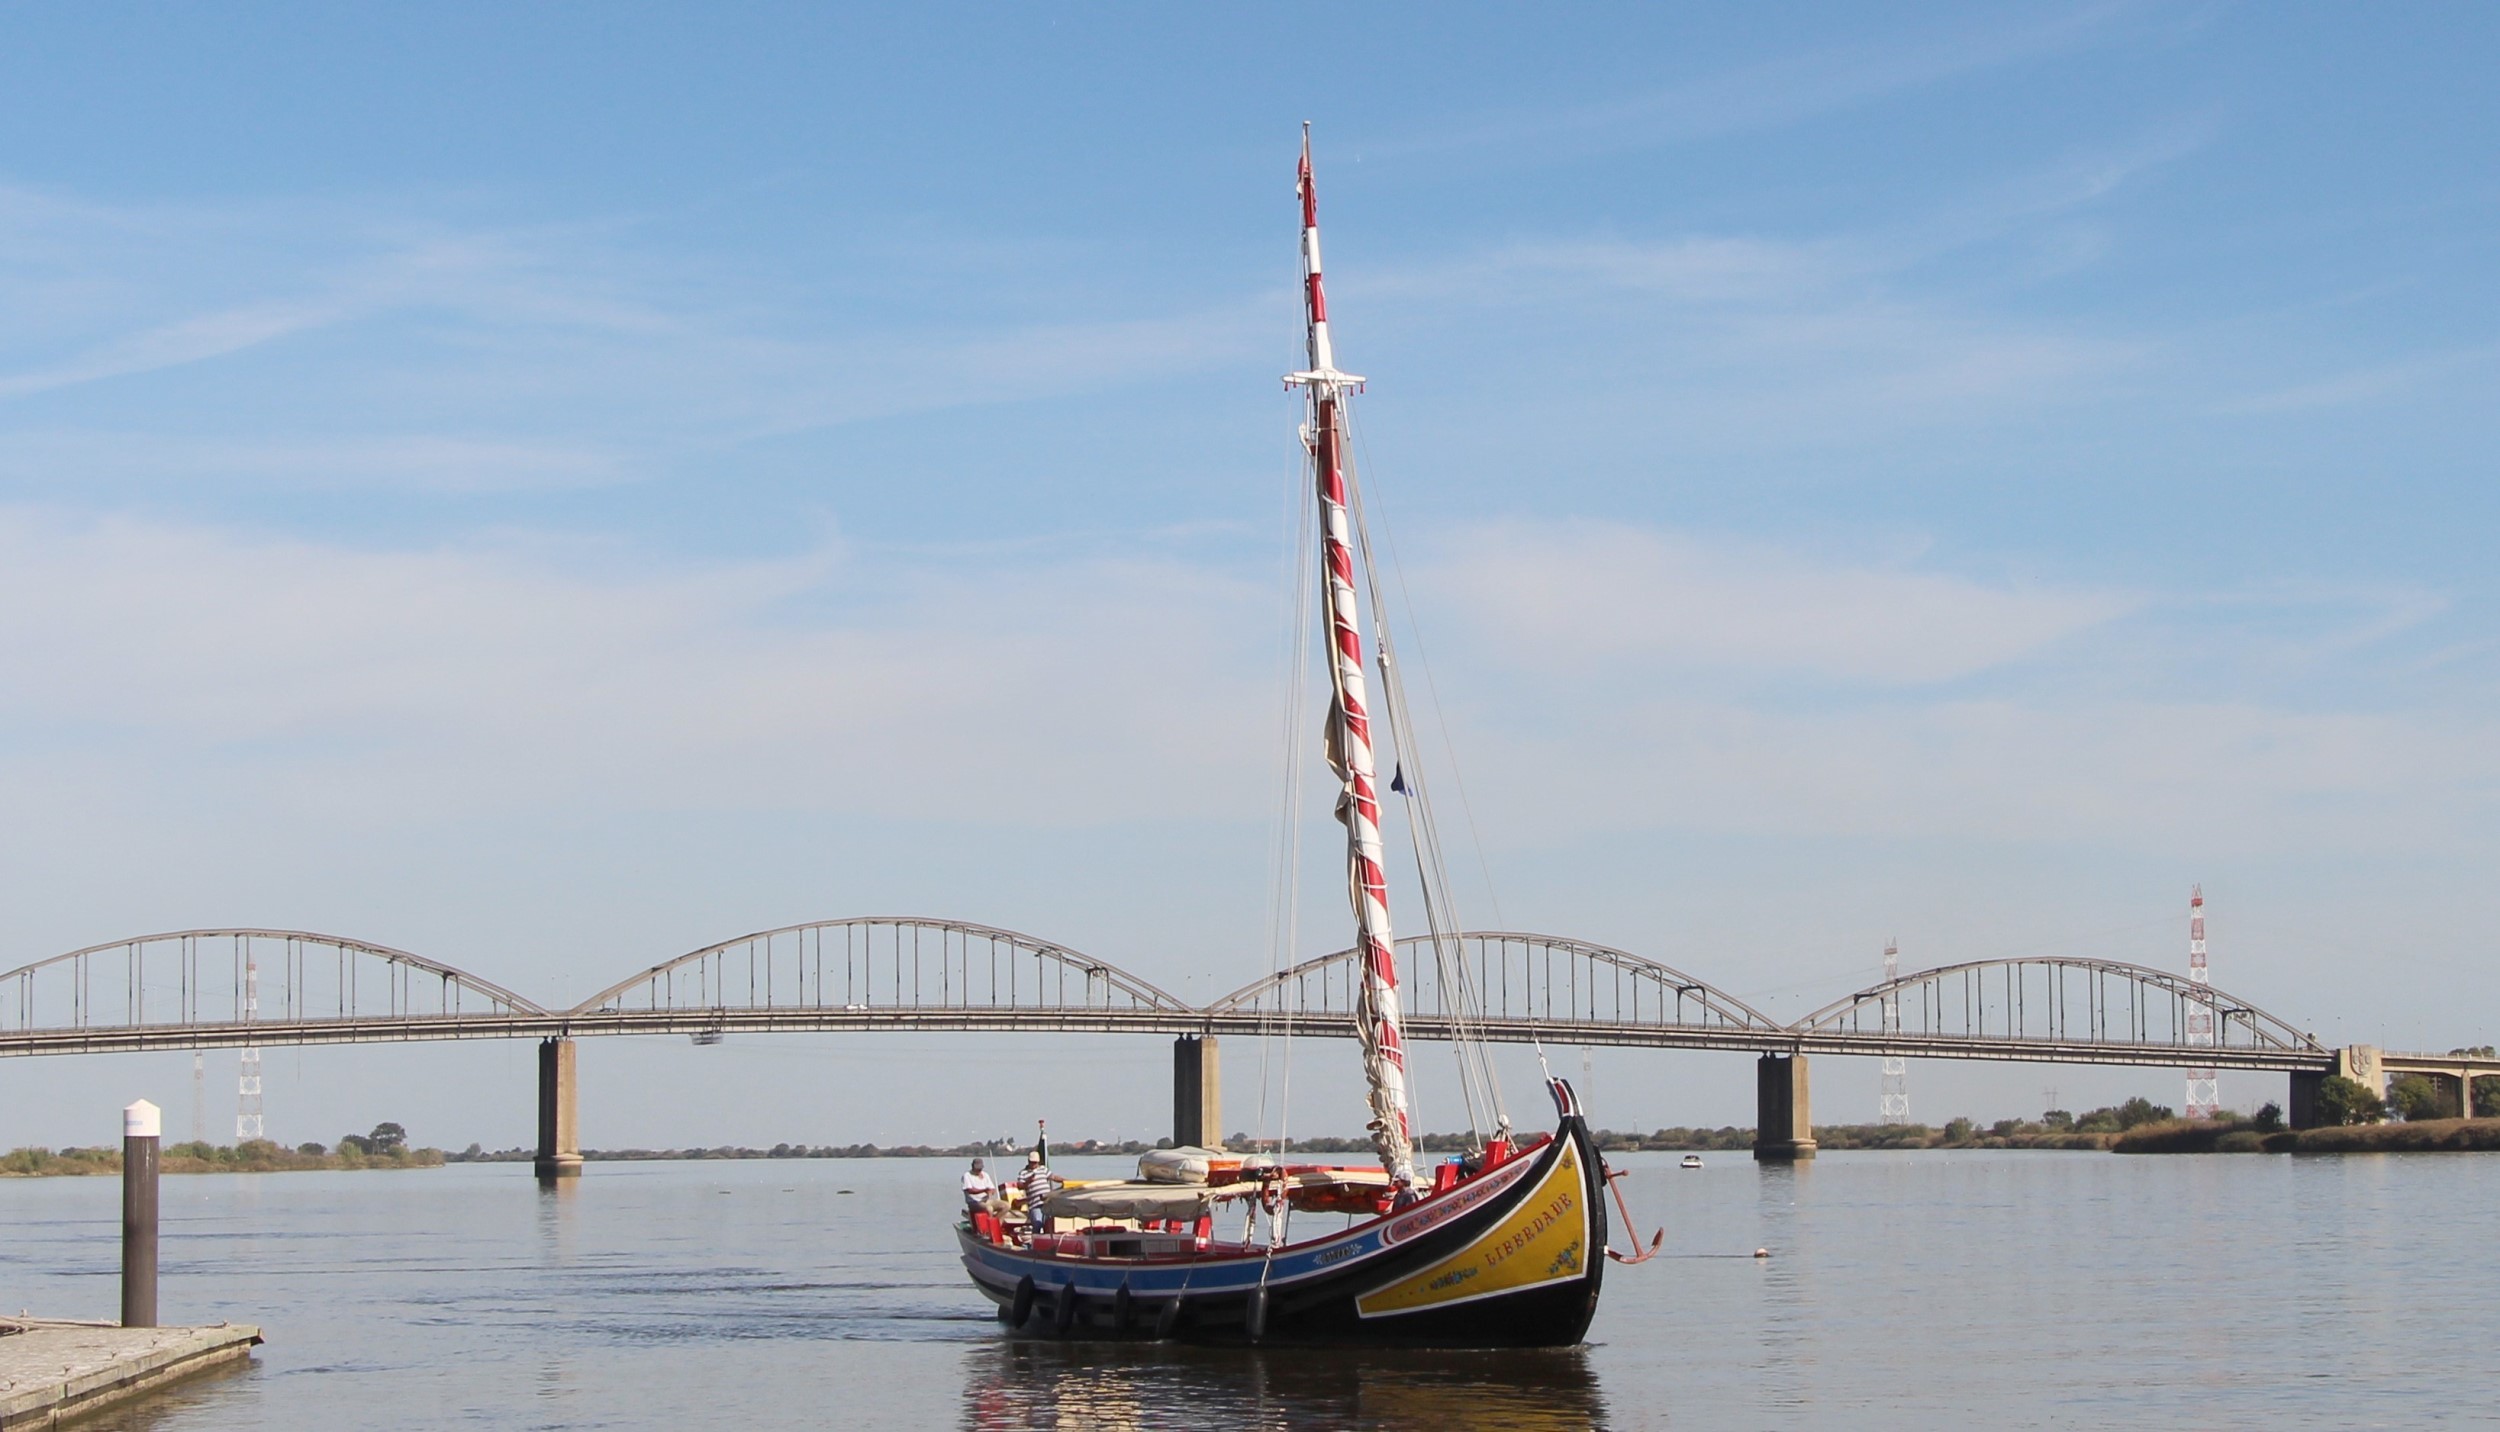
386 1147
2340 1101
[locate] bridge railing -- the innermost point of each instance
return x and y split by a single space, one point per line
199 978
885 963
1510 979
2052 1000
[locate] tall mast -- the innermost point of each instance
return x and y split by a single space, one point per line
1349 715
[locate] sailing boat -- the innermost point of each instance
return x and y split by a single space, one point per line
1500 1248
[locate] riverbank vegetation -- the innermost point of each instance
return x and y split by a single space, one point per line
2246 1136
990 1150
2056 1129
386 1147
2136 1126
1000 1148
2412 1136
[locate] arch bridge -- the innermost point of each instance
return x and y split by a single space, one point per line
195 989
1516 987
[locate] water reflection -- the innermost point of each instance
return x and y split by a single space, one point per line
555 1219
174 1407
1787 1313
1116 1386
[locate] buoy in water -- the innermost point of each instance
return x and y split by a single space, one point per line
1762 1252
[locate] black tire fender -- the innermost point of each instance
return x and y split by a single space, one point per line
1022 1307
1123 1309
1063 1314
1168 1321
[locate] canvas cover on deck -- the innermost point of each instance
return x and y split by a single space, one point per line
1185 1164
1337 1190
1131 1200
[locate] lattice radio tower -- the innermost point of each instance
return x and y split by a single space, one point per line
247 1084
1892 1099
2204 1087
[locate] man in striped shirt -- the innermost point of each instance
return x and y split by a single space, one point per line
1038 1183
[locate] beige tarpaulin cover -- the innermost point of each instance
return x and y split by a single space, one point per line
1182 1165
1374 1179
1131 1200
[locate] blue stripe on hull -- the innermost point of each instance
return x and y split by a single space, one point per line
1006 1266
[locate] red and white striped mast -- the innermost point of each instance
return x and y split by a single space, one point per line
2204 1086
1325 388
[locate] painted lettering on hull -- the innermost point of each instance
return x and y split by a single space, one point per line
1545 1240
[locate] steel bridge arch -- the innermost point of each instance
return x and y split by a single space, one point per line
174 978
887 964
2040 997
1514 975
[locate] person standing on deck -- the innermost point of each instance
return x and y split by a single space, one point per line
1039 1183
979 1189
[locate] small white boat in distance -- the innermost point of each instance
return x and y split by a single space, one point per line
1692 1160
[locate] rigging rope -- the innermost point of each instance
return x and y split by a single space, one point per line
1285 876
1479 1085
1466 806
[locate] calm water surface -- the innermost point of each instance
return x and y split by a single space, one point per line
1905 1291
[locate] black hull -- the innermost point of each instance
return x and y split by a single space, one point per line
1530 1234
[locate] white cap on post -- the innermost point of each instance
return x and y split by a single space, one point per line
142 1120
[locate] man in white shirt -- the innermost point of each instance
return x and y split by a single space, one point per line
978 1189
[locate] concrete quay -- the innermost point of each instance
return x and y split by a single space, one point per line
51 1372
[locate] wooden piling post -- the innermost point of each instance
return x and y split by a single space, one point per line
142 1123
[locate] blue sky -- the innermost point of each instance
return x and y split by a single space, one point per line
554 489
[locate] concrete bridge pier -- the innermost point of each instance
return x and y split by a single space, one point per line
1197 1092
559 1127
2357 1062
1784 1122
2465 1092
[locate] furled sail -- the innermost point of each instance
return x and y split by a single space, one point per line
1349 737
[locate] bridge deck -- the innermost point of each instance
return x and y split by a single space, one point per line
132 1039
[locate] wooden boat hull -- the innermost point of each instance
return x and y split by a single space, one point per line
1511 1258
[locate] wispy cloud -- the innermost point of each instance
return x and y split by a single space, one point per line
1732 685
171 345
399 462
526 340
1758 343
2163 778
1778 339
2364 385
1646 679
1586 595
478 678
1774 93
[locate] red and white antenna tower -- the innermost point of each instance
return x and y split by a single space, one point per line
247 1116
2204 1089
1892 1097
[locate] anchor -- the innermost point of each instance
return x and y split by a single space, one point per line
1639 1254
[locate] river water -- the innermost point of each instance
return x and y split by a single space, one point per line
1904 1290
